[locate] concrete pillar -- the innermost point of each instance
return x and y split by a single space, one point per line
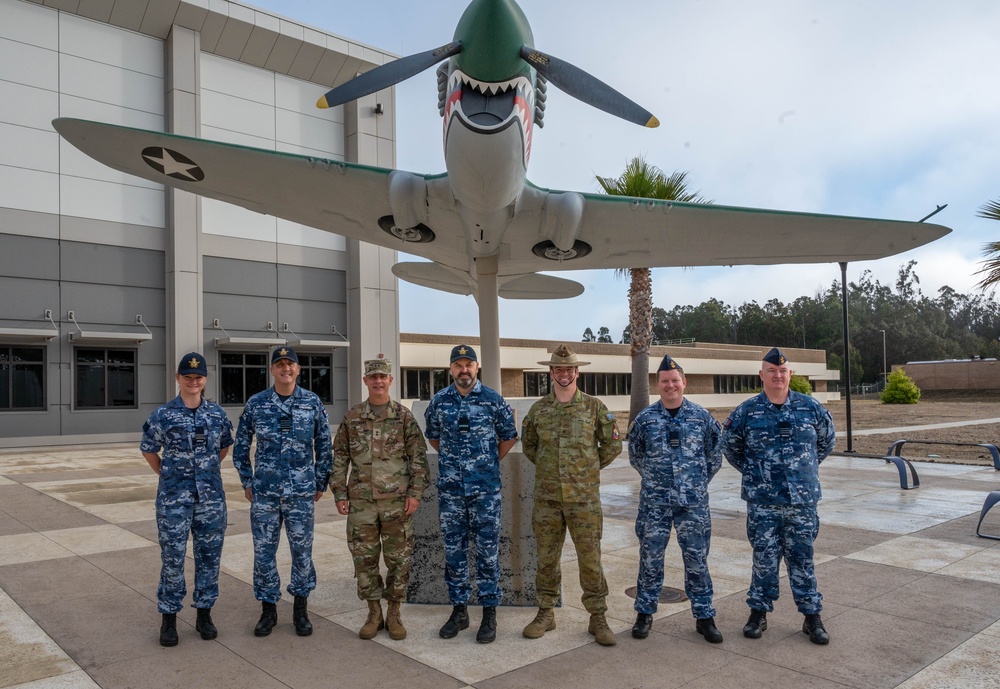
372 289
182 106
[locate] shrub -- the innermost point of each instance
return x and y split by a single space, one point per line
800 384
899 389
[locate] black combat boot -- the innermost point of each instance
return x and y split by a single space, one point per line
300 618
813 626
204 624
488 627
643 623
268 618
706 627
756 624
458 621
168 629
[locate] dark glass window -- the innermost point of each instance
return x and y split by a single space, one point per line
22 378
242 375
422 383
316 375
724 385
536 384
105 378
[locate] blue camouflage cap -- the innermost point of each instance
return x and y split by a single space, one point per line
284 353
192 364
669 364
775 357
463 352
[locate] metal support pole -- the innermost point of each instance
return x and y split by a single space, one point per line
489 321
847 351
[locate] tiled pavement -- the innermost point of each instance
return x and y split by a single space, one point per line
912 595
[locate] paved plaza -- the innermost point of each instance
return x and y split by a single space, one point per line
912 595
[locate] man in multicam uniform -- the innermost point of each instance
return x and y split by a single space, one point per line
569 436
472 428
195 435
777 440
382 444
674 444
289 473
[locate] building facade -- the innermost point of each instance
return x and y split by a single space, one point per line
107 279
718 376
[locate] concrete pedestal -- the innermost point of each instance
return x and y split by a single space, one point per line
518 557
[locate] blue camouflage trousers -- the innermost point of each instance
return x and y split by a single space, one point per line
478 517
206 522
266 517
783 531
693 524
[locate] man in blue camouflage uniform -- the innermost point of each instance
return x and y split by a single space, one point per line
290 471
777 440
674 444
472 428
195 435
569 436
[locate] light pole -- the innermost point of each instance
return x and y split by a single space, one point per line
885 362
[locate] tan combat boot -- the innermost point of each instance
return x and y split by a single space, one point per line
545 621
374 621
393 622
600 629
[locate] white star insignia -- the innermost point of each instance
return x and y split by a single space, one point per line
172 164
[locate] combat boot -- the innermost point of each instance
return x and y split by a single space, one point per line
458 621
545 621
600 629
643 623
488 627
394 622
706 627
375 622
168 629
300 618
204 624
756 624
268 618
813 626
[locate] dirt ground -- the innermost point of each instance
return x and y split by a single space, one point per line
871 413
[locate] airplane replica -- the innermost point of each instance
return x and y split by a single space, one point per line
485 228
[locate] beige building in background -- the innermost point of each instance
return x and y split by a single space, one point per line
718 375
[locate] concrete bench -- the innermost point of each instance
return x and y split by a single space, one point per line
902 465
991 499
897 447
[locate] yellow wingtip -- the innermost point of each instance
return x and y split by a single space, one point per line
321 103
653 122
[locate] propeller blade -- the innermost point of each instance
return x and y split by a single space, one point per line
587 88
387 75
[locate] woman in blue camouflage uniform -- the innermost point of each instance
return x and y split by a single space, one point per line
194 435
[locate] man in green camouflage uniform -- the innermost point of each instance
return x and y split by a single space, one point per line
381 443
569 436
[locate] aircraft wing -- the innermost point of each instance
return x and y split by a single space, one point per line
624 232
345 198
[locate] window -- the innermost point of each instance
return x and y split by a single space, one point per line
536 384
605 384
726 385
316 375
22 378
422 383
242 375
105 378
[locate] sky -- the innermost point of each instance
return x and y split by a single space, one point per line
877 109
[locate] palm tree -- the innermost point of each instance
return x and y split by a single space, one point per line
642 180
991 250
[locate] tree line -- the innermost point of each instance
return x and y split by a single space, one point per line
917 327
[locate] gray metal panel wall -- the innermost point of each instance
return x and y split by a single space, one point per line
106 286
